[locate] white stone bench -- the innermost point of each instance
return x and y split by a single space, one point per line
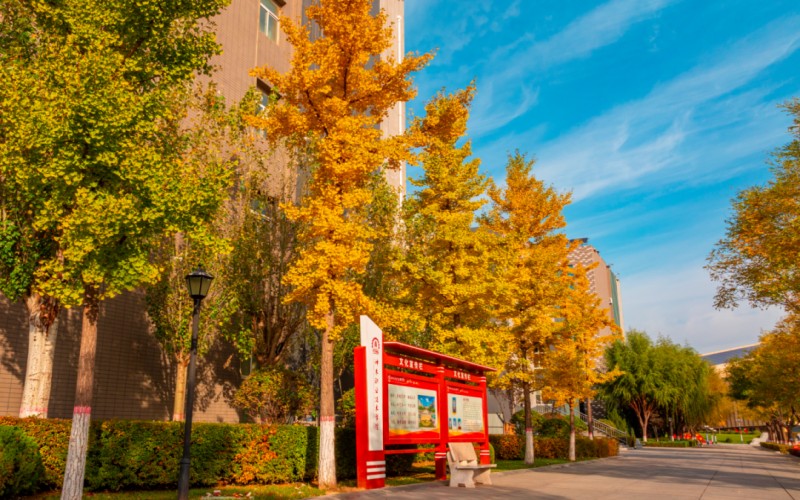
464 466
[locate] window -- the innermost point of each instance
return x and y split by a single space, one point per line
262 104
268 19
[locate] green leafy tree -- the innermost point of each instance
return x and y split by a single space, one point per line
687 401
660 378
216 139
640 386
758 260
274 395
91 146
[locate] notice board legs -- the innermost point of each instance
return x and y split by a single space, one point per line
441 469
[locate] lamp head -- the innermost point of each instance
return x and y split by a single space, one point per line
198 283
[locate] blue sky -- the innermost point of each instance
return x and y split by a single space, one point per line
653 113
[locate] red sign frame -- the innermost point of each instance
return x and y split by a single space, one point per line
435 399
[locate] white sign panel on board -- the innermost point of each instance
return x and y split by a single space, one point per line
372 339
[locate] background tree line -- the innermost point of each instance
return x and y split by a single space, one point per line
758 262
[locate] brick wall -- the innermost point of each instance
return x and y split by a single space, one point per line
134 379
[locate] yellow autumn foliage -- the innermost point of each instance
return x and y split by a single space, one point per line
339 88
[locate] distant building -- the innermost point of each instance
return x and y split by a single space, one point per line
602 282
605 285
719 359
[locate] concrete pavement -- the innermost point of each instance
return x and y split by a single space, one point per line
721 472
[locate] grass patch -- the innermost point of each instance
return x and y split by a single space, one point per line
520 464
733 437
420 473
265 492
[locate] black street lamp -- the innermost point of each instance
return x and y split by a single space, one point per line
198 282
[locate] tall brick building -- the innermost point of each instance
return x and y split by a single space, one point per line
602 282
134 377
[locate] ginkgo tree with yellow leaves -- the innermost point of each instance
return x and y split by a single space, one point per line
338 89
572 362
448 262
527 218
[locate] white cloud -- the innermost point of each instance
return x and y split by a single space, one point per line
650 135
678 305
512 69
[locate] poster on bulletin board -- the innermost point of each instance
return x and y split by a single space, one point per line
413 410
465 414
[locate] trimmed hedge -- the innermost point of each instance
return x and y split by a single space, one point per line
21 469
512 447
126 454
783 448
548 425
52 436
131 455
671 444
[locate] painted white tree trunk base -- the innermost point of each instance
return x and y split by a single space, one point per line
529 450
39 368
327 458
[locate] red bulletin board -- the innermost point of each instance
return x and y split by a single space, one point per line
406 395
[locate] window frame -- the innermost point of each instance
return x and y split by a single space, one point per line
267 16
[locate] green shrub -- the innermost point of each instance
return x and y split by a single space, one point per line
554 428
346 453
131 454
512 447
274 394
615 419
21 469
52 437
508 446
146 455
518 419
671 444
783 448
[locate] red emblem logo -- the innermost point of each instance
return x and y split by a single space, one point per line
376 345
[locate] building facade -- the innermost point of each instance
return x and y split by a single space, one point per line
602 282
134 377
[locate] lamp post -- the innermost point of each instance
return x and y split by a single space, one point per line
198 282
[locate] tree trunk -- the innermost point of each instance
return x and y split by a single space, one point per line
589 418
180 390
530 453
572 431
327 415
644 417
81 413
42 330
671 430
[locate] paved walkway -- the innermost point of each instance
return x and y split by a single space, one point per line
721 472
